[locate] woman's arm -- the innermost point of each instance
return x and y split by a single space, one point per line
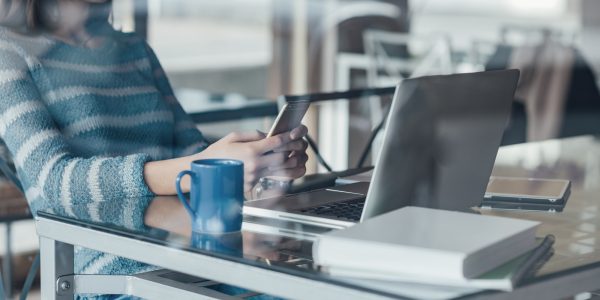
53 176
186 137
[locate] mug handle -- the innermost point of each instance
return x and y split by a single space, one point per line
180 193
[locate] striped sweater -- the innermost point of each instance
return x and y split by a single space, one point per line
81 123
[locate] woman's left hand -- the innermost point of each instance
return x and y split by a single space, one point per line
295 164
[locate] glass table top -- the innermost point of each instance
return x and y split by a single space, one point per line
287 247
577 228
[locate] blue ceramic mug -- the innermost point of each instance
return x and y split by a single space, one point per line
217 195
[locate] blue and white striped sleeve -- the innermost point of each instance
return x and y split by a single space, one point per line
55 178
188 139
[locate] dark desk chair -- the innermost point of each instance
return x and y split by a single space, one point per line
582 104
9 217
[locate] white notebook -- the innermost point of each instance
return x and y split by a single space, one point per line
503 277
426 242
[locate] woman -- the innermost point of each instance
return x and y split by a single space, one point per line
90 118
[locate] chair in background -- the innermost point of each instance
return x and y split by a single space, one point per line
514 34
581 112
394 56
335 52
347 19
8 217
419 56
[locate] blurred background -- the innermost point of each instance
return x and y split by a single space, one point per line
235 51
230 60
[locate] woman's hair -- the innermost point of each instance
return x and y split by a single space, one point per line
42 15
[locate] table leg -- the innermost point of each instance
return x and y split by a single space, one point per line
56 261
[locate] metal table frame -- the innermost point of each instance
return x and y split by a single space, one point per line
57 240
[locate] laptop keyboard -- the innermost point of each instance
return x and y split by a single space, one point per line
346 210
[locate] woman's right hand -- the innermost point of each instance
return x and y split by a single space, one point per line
258 155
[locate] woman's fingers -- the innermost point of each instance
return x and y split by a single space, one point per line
293 167
297 145
277 161
279 141
239 137
297 159
276 164
270 160
282 155
256 167
299 132
269 144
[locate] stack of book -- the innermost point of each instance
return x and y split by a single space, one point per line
437 247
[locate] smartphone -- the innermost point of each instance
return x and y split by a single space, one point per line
530 194
528 190
551 208
289 117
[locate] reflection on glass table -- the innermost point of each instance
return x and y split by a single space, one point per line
577 228
276 257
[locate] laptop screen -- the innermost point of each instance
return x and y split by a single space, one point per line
441 140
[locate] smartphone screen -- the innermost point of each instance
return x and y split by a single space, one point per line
289 117
527 187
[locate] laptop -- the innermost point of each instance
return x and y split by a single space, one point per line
441 140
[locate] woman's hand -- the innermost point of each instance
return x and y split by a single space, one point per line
282 155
